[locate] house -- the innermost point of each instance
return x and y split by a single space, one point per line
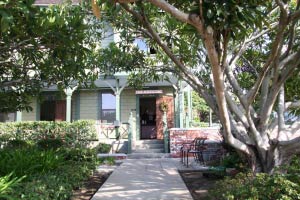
112 104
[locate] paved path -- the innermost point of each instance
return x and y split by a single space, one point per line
147 179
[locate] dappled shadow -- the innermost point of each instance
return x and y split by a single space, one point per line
144 179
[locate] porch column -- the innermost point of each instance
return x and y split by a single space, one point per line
190 107
210 117
118 100
181 105
117 91
18 116
69 91
176 109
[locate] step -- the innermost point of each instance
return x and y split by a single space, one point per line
149 151
148 155
117 156
149 146
149 142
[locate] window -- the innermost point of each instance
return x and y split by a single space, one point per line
108 107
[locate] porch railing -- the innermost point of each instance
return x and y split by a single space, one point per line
109 131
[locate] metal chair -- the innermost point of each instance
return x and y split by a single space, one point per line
196 147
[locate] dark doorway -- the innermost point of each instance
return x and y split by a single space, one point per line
53 111
148 117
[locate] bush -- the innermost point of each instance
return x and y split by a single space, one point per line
54 185
7 183
79 154
50 174
12 144
76 133
103 148
262 186
50 143
27 162
233 160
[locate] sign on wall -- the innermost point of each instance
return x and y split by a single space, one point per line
148 92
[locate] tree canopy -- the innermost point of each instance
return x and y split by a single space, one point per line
43 46
236 54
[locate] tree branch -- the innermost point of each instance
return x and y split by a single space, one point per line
273 54
165 47
236 110
175 12
289 105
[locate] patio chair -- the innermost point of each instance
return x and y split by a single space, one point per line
196 148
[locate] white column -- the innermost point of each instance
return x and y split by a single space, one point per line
18 116
69 91
181 106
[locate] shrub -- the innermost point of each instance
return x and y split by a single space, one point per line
103 148
54 185
262 186
233 160
76 133
80 154
7 183
54 143
17 144
108 160
28 161
50 174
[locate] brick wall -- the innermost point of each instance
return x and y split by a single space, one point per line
159 115
179 136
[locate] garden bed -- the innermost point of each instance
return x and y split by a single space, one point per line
90 186
198 184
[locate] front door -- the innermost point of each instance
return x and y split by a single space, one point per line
148 118
60 110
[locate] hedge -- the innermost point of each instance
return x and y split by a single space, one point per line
78 132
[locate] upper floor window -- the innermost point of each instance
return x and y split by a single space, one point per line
143 46
108 107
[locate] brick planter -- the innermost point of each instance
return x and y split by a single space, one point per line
184 135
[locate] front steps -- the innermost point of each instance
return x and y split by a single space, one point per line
148 149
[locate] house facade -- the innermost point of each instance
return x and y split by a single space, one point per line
112 103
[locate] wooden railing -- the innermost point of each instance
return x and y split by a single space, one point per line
109 131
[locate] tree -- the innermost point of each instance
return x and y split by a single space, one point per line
41 47
200 107
236 54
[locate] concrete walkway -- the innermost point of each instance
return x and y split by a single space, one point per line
147 179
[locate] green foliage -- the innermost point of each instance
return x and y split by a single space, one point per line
108 160
262 186
232 160
13 144
42 46
7 184
200 107
50 175
80 154
103 148
51 143
77 133
292 90
28 161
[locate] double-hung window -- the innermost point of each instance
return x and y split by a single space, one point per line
108 107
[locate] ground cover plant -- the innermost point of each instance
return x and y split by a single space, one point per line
39 173
283 184
46 160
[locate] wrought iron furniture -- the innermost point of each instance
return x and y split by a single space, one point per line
196 148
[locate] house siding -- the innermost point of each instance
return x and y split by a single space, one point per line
128 104
32 115
89 105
